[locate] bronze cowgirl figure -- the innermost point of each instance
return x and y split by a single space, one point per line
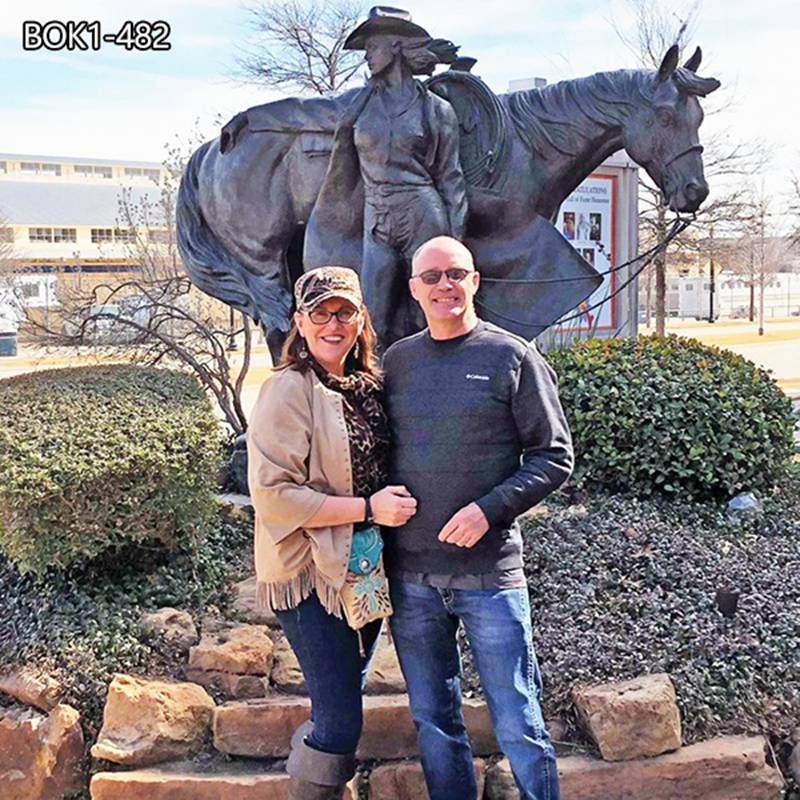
406 141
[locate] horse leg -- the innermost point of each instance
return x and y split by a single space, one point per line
275 340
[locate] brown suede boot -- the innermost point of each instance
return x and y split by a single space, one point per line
316 775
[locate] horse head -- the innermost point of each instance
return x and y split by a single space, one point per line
661 135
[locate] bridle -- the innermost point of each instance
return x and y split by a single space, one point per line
692 148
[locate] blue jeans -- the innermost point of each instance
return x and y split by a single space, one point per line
497 623
333 669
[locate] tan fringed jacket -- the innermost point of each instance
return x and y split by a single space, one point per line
298 453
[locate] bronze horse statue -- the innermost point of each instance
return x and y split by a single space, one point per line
242 214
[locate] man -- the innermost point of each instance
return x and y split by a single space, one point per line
479 437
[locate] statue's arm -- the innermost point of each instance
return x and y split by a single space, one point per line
446 170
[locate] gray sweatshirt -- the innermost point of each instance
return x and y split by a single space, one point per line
475 418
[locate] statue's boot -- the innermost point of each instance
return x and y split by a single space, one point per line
316 775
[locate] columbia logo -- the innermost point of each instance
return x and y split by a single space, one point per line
473 377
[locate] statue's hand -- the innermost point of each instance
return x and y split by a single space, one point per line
227 137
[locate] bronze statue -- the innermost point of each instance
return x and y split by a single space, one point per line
299 183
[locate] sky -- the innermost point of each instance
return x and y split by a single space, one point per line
115 103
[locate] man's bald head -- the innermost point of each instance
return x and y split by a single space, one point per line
441 252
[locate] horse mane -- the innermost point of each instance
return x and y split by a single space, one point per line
564 115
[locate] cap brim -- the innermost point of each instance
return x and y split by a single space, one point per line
383 26
341 294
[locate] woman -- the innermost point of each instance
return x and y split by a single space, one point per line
405 141
317 448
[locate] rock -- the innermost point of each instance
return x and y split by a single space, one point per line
148 721
726 768
631 719
31 688
175 626
286 673
186 781
40 755
406 781
263 728
242 650
246 607
385 676
231 687
743 507
500 783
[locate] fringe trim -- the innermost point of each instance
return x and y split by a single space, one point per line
283 595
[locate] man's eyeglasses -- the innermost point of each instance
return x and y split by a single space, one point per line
432 276
321 316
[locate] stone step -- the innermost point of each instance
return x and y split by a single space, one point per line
186 781
404 780
263 728
725 768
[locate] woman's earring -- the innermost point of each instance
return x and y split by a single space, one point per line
357 349
302 352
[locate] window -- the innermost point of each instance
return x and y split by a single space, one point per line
689 287
30 290
40 234
89 171
140 172
124 235
3 167
65 234
6 234
159 237
39 168
100 235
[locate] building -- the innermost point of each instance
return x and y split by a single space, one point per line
60 221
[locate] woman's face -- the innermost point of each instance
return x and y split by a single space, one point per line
331 341
380 53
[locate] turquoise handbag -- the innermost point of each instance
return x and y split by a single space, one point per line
365 551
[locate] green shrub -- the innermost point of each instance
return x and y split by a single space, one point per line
672 415
97 457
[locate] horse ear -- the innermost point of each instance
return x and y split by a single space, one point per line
668 65
694 62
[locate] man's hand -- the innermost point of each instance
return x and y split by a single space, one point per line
466 527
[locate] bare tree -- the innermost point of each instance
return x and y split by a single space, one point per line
656 28
157 316
300 45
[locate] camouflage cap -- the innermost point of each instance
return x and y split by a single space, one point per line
322 283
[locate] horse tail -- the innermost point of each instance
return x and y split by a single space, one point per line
213 269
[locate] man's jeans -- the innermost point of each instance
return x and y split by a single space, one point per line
497 623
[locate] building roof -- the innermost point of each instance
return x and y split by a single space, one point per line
111 162
51 203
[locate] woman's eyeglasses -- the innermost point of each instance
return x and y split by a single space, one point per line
321 316
432 276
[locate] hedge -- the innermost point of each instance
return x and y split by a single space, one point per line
94 458
672 415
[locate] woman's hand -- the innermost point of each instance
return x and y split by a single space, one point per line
393 506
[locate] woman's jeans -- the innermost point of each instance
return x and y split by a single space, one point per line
334 671
497 623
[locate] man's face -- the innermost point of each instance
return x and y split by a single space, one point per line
448 299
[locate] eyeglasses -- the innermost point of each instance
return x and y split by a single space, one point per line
321 316
432 276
